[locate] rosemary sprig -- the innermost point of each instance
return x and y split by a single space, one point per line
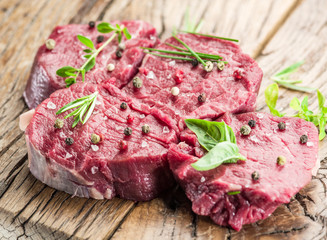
71 73
283 78
86 105
212 36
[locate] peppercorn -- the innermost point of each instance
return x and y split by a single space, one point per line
95 138
59 123
202 98
110 67
123 105
194 62
304 139
121 46
100 38
174 91
251 123
237 75
281 160
146 128
255 176
281 126
50 44
123 145
128 131
137 82
91 24
69 141
245 130
220 66
209 66
119 53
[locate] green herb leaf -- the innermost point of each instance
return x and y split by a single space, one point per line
89 65
322 125
62 72
105 27
298 88
321 100
211 36
271 96
233 192
87 50
295 104
304 104
127 34
291 69
223 152
210 133
70 81
86 41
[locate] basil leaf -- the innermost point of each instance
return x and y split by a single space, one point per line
210 133
295 104
223 152
86 41
105 27
271 96
62 72
126 33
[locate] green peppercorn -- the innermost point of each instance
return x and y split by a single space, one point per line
91 24
100 38
137 82
251 123
69 141
202 97
281 126
123 105
281 160
255 176
146 128
220 66
245 130
59 123
128 131
119 53
95 138
304 139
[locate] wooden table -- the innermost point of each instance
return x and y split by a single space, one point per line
276 33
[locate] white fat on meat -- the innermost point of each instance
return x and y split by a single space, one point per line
25 119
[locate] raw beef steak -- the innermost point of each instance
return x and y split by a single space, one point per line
210 190
135 169
68 51
233 89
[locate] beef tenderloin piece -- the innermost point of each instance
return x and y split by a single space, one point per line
208 190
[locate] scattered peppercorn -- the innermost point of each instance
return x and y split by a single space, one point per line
251 123
123 145
69 141
304 139
123 105
237 75
121 46
281 126
245 130
59 123
220 66
202 97
50 44
128 131
146 128
100 38
255 176
281 160
209 66
95 138
110 67
91 24
174 91
194 62
130 119
119 53
137 82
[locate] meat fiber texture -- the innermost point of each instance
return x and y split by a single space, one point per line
208 190
224 93
102 170
68 51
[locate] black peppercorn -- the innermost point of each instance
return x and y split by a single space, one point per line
245 130
69 141
119 53
304 139
137 82
59 123
202 98
128 131
100 38
281 126
123 105
251 123
91 24
255 176
195 62
146 128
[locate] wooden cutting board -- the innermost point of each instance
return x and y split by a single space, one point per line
276 33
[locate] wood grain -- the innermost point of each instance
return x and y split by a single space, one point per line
276 32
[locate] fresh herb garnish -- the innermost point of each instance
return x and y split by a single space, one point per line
217 138
283 78
190 25
71 73
319 119
211 36
233 192
86 105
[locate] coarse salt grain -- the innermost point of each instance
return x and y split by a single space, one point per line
97 102
62 135
94 169
202 179
51 105
310 144
165 129
172 63
142 116
260 115
150 75
254 138
144 144
94 148
68 155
